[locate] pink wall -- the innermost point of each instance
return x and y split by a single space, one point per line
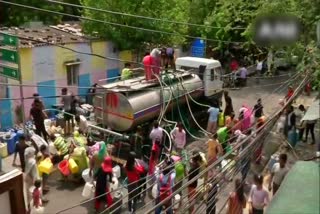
96 76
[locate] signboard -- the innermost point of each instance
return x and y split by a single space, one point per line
9 56
9 72
8 40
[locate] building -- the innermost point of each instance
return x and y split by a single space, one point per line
56 56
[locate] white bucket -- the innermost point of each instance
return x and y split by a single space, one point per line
117 171
86 176
177 199
47 123
88 190
115 185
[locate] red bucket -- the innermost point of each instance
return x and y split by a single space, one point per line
64 167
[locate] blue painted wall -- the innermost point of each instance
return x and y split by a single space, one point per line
111 73
45 92
84 81
6 114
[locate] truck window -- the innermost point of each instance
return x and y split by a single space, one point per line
212 75
219 72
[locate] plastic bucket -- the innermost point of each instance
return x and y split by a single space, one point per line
64 167
86 175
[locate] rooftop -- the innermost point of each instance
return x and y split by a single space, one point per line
47 35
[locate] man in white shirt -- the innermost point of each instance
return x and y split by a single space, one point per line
82 123
278 172
179 137
156 133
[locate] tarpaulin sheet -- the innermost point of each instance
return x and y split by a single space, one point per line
313 112
299 191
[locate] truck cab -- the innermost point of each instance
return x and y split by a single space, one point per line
209 71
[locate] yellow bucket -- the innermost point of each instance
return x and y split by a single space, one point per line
73 166
45 166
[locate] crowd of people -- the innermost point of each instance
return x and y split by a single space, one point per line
225 133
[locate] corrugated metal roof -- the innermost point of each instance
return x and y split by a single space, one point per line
44 36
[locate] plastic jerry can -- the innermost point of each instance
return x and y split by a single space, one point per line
88 190
73 166
117 171
3 150
292 137
221 119
45 166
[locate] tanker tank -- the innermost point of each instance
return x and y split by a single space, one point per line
124 105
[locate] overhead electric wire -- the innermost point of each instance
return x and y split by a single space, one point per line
140 17
115 24
177 191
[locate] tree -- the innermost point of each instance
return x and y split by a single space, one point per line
16 16
126 38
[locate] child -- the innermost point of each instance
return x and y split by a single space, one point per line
36 196
258 197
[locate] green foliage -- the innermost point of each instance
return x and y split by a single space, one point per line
311 63
231 16
16 16
126 38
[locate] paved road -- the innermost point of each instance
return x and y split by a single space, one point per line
63 195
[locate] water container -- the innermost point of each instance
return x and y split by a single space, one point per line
177 199
85 175
47 123
221 121
117 171
274 159
45 166
3 150
88 190
73 166
115 185
292 137
155 191
64 167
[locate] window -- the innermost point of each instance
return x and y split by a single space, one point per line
219 72
72 73
212 75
